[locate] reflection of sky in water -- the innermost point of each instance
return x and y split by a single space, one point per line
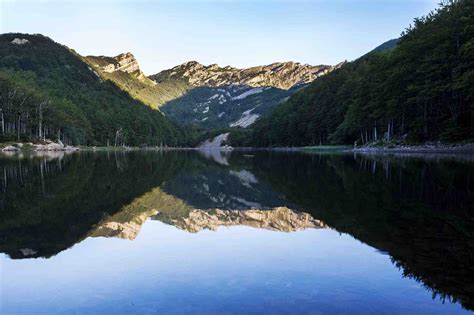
236 269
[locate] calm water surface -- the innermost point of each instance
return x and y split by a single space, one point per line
247 232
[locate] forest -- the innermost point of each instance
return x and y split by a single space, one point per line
48 92
421 90
416 89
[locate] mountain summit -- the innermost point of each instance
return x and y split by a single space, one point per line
209 96
282 75
125 62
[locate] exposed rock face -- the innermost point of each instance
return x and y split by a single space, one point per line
52 146
279 219
246 119
209 96
20 41
158 205
27 251
10 148
283 75
125 230
125 62
49 146
216 143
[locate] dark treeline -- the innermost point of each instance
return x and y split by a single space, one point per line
420 212
48 204
422 90
47 91
27 113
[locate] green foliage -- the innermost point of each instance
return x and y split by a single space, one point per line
79 107
418 211
140 87
421 90
49 205
219 107
415 210
239 137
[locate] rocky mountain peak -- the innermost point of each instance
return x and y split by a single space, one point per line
283 75
278 219
125 62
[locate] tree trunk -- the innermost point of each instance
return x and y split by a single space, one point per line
18 128
40 120
3 122
388 131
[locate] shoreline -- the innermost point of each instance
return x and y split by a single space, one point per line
418 149
467 148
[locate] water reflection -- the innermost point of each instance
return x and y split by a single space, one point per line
420 212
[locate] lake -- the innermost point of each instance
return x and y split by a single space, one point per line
243 232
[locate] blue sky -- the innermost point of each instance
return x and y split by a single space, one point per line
162 34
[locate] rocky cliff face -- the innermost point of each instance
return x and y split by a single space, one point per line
127 223
125 62
279 219
222 97
126 230
282 75
209 96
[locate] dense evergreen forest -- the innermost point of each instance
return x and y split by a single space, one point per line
422 90
47 91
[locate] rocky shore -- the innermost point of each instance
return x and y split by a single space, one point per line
424 148
38 147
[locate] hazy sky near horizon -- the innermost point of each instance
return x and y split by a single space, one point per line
162 34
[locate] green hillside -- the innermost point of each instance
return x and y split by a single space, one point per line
223 106
208 96
139 86
48 91
421 90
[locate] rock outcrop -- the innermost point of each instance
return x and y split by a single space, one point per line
125 62
283 75
217 143
279 219
19 41
40 147
125 230
53 146
209 96
10 148
161 206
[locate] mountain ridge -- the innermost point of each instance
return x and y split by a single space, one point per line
52 93
125 62
209 96
283 75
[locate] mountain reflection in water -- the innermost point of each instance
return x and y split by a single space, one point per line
420 212
279 219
